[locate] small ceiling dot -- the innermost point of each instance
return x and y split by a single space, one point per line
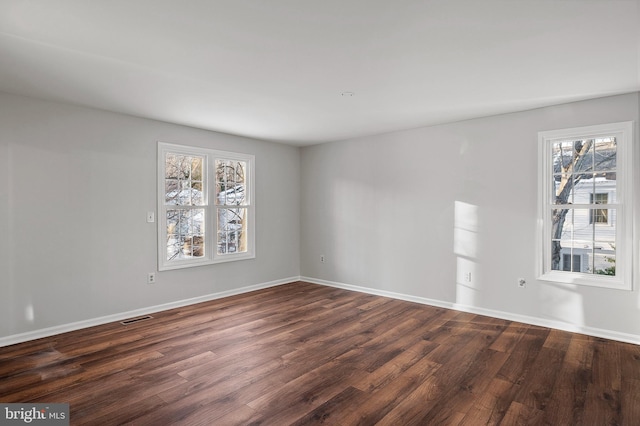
348 94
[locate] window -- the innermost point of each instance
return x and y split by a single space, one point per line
585 206
572 263
205 205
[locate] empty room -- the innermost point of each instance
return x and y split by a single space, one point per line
418 212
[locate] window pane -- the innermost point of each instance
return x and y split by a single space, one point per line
197 196
605 188
198 246
230 182
605 264
563 188
171 191
605 154
580 244
171 167
232 230
567 255
562 153
196 168
582 228
570 257
192 246
221 194
184 184
563 244
576 263
561 255
583 188
582 156
572 156
185 233
562 224
605 231
599 216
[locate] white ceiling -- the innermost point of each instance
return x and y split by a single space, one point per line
276 69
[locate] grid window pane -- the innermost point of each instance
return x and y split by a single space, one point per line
605 264
563 188
232 230
230 182
185 233
184 183
605 154
563 224
171 191
599 215
576 236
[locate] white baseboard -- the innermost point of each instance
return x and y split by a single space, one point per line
64 328
542 322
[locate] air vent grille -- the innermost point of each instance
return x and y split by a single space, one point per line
137 319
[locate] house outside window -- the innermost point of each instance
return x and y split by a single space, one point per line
571 262
206 206
585 206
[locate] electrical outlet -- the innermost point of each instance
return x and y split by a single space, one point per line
151 217
467 277
322 258
522 283
151 278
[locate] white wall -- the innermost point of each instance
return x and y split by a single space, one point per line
409 212
405 212
75 186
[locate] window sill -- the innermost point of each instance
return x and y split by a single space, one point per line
590 280
204 262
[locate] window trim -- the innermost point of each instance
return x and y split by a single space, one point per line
211 217
625 259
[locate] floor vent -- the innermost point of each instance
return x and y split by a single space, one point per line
134 320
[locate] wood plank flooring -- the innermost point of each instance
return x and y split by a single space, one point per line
303 354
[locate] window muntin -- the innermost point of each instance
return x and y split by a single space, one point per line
585 206
205 204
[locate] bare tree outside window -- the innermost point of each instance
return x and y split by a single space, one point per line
184 189
582 168
230 197
206 206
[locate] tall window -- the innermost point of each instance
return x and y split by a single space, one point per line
585 206
205 205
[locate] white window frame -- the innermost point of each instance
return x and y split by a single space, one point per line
625 262
211 255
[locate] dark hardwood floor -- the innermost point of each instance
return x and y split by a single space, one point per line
307 354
